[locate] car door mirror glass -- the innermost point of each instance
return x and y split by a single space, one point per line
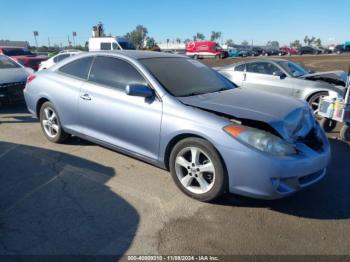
139 90
280 74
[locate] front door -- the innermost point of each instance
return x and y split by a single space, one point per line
108 114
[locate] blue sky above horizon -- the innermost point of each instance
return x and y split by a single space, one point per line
253 20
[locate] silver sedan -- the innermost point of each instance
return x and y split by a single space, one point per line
286 78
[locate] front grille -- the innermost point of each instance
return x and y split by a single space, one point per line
313 141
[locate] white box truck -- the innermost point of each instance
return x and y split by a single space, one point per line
110 43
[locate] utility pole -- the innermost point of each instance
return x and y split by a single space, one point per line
69 43
48 40
36 33
74 35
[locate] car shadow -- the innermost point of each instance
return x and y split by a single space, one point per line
17 108
55 203
328 199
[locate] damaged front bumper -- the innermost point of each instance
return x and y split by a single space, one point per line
259 175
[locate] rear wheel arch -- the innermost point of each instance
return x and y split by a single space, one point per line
39 104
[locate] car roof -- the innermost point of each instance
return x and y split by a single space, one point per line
274 60
138 54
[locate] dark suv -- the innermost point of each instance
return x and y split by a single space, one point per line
341 49
308 50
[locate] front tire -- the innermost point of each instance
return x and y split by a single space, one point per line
314 100
51 124
197 169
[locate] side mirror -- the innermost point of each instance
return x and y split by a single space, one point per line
280 74
139 90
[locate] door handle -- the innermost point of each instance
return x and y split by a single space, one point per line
85 96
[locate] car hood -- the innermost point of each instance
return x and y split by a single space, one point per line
332 77
291 118
13 75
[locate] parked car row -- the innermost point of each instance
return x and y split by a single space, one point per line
214 133
279 76
23 56
210 49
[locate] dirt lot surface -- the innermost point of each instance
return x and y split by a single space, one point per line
80 198
315 62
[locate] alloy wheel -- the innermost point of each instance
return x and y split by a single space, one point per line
50 122
195 170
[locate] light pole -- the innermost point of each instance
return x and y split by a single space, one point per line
74 35
36 33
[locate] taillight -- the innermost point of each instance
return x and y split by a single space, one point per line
30 78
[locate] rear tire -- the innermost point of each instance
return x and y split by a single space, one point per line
51 124
197 169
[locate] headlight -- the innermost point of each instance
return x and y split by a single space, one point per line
261 140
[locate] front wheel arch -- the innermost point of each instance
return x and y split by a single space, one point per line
180 137
310 96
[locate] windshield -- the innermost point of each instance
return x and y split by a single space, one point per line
127 45
16 52
6 63
186 77
293 69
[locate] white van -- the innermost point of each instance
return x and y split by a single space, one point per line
109 43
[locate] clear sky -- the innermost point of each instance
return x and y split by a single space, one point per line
257 20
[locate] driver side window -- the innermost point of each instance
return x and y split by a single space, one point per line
264 68
114 73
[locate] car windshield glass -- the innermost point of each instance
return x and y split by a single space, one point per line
127 45
16 52
186 77
293 69
6 63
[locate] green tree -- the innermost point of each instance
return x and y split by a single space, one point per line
245 42
199 36
273 44
178 40
215 36
138 36
229 42
318 42
150 42
295 44
308 41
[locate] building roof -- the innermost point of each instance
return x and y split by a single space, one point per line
8 43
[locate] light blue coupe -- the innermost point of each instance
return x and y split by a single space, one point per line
178 114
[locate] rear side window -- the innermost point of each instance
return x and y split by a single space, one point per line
78 68
105 46
114 72
60 58
240 68
6 63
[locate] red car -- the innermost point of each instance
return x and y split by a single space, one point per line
204 49
23 56
288 51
